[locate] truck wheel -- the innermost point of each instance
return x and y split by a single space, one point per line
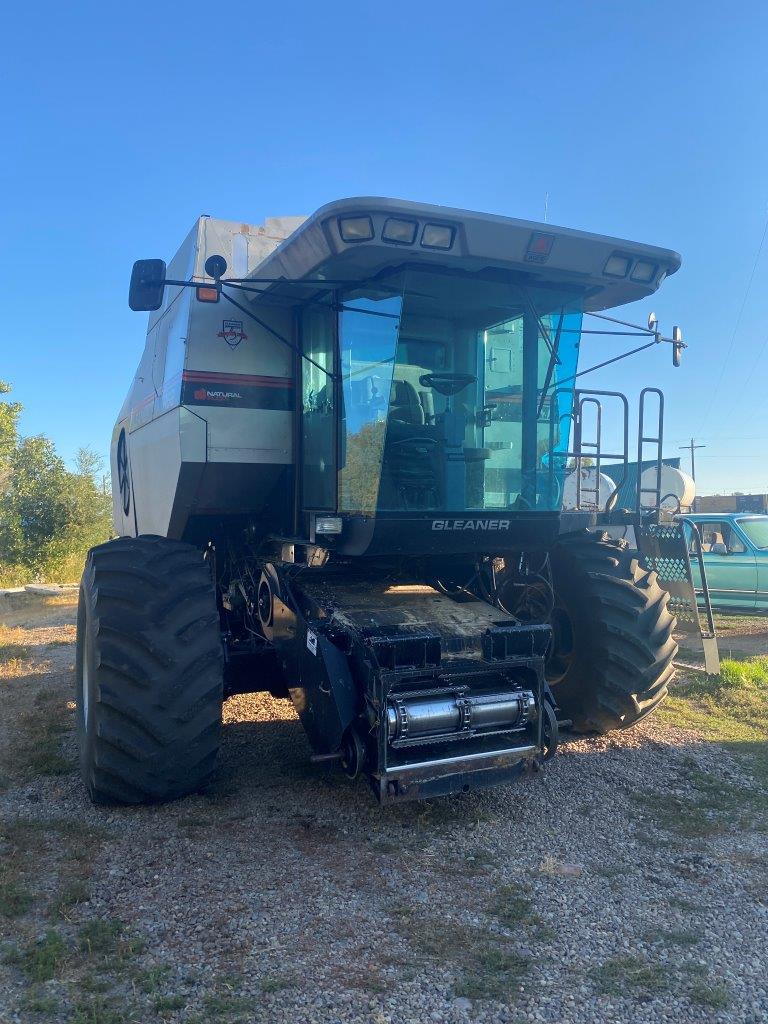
612 650
149 671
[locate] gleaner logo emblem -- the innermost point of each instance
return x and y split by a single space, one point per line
470 524
232 332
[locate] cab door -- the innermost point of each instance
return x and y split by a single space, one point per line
730 565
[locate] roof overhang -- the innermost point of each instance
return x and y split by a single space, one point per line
611 271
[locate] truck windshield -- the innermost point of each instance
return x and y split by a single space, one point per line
756 530
451 397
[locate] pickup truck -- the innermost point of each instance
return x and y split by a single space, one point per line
735 549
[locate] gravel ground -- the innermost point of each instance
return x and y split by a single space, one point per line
738 636
624 883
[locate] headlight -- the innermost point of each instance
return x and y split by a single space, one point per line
328 524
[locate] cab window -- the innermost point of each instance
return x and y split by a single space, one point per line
719 538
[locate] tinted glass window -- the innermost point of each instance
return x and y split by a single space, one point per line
756 530
719 534
458 392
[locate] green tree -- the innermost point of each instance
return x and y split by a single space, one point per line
49 515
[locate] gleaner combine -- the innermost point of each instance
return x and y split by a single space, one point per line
338 477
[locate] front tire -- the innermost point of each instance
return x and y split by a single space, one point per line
148 673
612 653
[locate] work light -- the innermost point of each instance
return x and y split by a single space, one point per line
356 229
437 236
401 231
643 271
617 265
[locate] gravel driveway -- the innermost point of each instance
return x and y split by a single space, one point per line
625 883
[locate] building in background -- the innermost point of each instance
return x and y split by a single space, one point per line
757 503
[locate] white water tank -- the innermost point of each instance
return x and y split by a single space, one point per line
677 488
606 488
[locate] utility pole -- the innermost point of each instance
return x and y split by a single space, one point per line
692 449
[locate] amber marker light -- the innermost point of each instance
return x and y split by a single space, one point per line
205 293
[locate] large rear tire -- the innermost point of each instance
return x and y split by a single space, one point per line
612 652
149 671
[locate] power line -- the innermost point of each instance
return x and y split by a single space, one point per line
728 437
756 363
725 361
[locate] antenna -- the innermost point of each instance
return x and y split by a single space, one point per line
546 206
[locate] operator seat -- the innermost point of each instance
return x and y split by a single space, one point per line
404 404
410 479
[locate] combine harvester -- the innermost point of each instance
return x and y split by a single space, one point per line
338 476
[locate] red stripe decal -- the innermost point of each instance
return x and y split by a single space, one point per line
237 378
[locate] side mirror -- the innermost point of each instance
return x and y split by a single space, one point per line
718 549
147 285
677 346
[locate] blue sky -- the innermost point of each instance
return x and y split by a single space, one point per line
122 123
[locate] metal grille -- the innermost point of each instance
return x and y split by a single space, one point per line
665 548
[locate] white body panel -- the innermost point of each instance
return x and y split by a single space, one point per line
212 386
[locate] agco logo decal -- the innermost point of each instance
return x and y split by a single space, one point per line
470 524
205 395
232 332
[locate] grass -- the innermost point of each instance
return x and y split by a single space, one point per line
731 709
715 995
674 936
100 1010
637 976
630 975
71 894
68 847
226 1004
13 653
709 807
151 979
42 959
487 964
106 941
169 1004
511 908
492 972
15 898
276 983
36 1001
36 749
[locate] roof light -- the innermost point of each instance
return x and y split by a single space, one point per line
437 236
400 231
207 293
328 524
356 229
643 271
617 265
539 247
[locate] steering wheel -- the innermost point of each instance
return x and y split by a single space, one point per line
414 445
447 384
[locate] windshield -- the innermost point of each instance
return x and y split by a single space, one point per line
756 530
451 398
